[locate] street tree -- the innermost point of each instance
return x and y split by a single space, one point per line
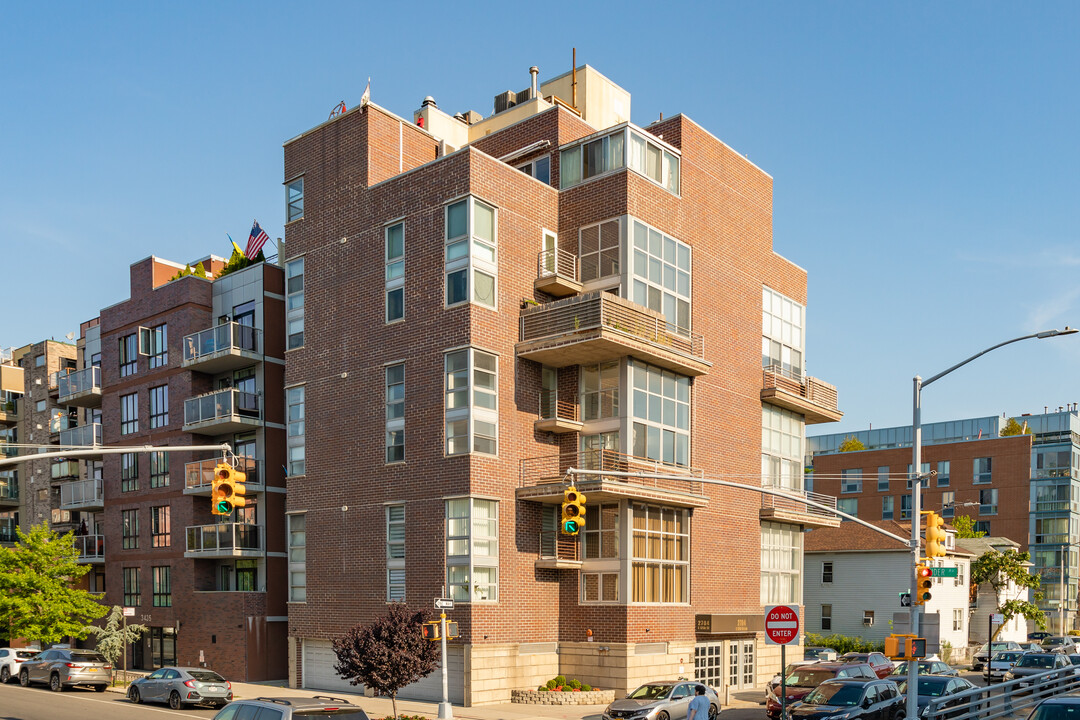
1009 575
387 654
113 639
965 527
851 444
38 597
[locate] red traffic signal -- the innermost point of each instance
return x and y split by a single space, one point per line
430 630
923 583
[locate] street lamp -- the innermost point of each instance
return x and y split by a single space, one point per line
916 488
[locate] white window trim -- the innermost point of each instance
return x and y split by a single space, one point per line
472 561
469 262
469 412
397 283
303 190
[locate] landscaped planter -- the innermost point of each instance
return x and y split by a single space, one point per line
557 697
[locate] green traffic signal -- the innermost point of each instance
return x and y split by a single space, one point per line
570 527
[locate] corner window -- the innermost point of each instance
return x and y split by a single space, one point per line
645 156
600 540
471 258
660 550
599 248
472 402
395 272
297 557
661 275
781 334
294 303
472 549
660 414
294 200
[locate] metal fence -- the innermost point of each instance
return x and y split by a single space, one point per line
1005 699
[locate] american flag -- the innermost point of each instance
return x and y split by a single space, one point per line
256 240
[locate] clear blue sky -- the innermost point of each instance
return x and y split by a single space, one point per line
925 155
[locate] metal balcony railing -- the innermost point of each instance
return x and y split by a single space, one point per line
80 381
222 404
82 493
91 547
199 475
224 538
226 337
556 546
552 407
557 262
552 469
83 435
797 502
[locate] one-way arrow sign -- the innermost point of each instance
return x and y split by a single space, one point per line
444 604
905 599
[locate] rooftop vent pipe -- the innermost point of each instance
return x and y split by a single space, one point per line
534 71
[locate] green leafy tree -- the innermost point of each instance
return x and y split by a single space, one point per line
851 444
388 654
199 270
965 527
38 597
113 639
1006 571
1014 428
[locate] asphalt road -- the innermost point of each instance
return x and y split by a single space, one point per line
40 703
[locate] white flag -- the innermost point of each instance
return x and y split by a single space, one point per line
366 97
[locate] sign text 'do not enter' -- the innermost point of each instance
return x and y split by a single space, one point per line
781 624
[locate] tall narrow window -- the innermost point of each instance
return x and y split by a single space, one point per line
782 334
943 473
294 398
395 413
129 472
826 571
159 406
132 597
395 272
601 537
129 414
472 402
948 504
826 617
887 507
294 199
660 555
159 469
297 558
661 414
599 248
781 563
981 470
395 552
129 355
988 502
471 257
661 275
162 586
781 447
905 507
294 302
160 527
129 529
883 478
158 342
472 549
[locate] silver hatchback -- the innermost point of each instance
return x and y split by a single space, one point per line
61 668
668 700
181 686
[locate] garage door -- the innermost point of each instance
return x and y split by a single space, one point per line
318 668
430 688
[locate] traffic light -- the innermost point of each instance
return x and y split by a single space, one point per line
935 535
573 511
227 491
923 582
431 630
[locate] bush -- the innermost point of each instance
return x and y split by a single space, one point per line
586 688
542 688
560 679
551 684
576 684
567 688
844 644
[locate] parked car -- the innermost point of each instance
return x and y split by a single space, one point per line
881 664
851 700
664 700
269 708
804 679
1057 643
930 687
926 667
11 660
1061 707
1031 647
181 686
1038 636
1001 663
775 682
1037 663
61 668
825 654
983 654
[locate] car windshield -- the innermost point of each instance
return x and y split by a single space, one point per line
856 657
837 694
932 687
1058 640
1036 661
923 668
87 657
650 692
809 677
1007 656
1055 711
816 652
206 676
999 646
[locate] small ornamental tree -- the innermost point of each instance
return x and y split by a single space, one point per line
1014 428
114 638
387 654
851 444
1005 569
965 527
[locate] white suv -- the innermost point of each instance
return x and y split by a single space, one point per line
11 660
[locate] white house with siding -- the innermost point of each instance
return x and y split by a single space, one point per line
986 600
854 576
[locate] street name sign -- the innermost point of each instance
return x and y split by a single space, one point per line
944 572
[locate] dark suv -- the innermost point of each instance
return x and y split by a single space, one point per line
291 708
804 678
851 699
66 667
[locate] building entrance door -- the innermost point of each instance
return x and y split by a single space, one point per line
709 664
741 664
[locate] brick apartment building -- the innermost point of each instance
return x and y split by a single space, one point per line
475 306
1021 487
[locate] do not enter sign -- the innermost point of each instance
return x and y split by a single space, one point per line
781 624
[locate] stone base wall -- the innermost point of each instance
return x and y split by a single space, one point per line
552 697
624 666
492 671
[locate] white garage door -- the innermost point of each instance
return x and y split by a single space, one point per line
318 668
430 688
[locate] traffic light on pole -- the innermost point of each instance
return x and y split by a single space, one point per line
935 535
923 582
227 491
431 630
573 511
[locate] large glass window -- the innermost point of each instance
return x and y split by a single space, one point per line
129 526
160 527
294 400
162 586
159 406
646 157
294 200
781 334
132 597
661 275
157 345
598 250
471 257
129 355
395 553
781 447
129 414
982 470
472 549
781 563
297 557
848 505
395 413
660 549
600 391
661 414
395 272
1053 463
294 302
472 402
600 539
129 472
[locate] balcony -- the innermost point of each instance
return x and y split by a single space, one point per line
542 479
222 412
82 495
557 273
199 476
91 548
558 551
222 347
598 326
794 509
81 388
557 416
64 469
83 437
812 398
7 531
9 410
224 540
9 488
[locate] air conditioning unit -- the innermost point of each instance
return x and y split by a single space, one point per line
505 101
868 621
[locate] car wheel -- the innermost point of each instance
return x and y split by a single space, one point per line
713 711
99 688
54 683
662 715
5 674
24 678
134 696
174 701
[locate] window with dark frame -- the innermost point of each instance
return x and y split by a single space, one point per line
160 530
159 469
129 414
129 472
129 528
129 355
132 597
159 406
162 586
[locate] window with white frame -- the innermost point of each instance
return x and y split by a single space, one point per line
471 257
395 272
129 355
851 480
395 413
781 447
156 340
159 406
661 275
958 581
295 430
625 147
948 508
883 478
781 563
599 250
958 619
472 402
660 555
294 200
129 414
549 257
395 553
540 168
472 549
297 557
982 470
294 303
782 322
660 414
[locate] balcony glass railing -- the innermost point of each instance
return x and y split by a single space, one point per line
229 336
84 435
222 404
7 530
9 486
90 547
223 538
79 382
81 493
200 475
65 469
